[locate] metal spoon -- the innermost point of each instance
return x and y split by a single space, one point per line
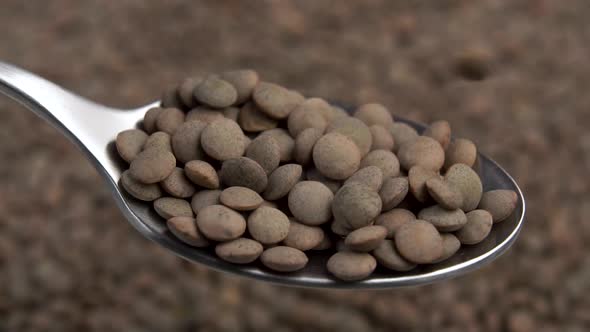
93 127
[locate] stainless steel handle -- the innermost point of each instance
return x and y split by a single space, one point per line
77 118
90 126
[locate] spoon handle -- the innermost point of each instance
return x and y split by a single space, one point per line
73 115
88 125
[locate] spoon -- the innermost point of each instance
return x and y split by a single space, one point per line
93 128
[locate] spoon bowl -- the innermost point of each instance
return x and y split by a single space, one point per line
93 128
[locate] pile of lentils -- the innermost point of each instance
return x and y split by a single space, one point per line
258 171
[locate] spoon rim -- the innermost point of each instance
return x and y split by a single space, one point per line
251 271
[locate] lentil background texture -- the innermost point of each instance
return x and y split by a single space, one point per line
69 261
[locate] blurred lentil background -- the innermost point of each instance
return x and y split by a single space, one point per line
69 261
